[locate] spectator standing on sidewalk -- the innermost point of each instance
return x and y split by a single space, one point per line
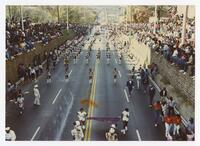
171 104
164 109
168 124
176 124
130 86
151 94
163 94
157 112
33 73
37 95
145 84
190 129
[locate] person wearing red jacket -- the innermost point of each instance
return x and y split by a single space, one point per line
168 119
177 122
157 112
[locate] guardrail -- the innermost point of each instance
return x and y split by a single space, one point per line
184 121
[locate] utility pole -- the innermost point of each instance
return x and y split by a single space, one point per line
58 12
156 18
84 15
22 19
184 25
67 17
9 10
126 17
106 15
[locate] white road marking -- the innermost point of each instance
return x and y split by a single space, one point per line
70 72
58 136
126 95
26 92
56 96
34 135
119 73
116 61
138 135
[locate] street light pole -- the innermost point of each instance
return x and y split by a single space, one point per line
184 25
9 10
58 13
22 19
156 18
126 17
67 17
106 16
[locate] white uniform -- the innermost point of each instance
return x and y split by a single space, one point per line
37 96
82 115
125 119
125 116
49 77
77 133
108 60
32 71
20 101
111 135
138 78
10 136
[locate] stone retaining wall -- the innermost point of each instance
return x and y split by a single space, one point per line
184 83
27 58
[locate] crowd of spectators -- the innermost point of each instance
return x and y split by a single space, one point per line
31 72
20 40
165 107
167 41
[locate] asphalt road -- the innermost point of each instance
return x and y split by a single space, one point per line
60 101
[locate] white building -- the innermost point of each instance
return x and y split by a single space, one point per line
191 10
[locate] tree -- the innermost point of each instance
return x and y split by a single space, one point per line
42 14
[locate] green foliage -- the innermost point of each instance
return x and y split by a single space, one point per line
42 14
141 14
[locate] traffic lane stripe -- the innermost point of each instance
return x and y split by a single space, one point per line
89 112
88 121
138 135
126 95
56 96
119 73
93 98
34 135
115 61
70 72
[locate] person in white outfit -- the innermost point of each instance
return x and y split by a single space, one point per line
82 117
20 102
10 134
33 73
111 135
138 78
77 132
48 77
125 119
37 95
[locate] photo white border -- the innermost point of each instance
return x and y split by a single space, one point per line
97 2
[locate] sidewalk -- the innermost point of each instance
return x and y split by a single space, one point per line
184 106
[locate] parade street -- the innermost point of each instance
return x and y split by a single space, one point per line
103 99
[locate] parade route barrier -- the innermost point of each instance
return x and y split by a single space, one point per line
28 58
